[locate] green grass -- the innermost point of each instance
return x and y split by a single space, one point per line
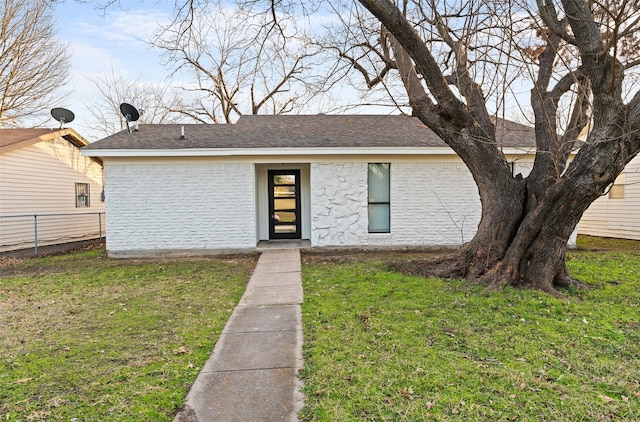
382 346
86 338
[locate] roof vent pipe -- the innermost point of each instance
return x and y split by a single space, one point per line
182 137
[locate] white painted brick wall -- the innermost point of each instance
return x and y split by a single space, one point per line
434 203
180 206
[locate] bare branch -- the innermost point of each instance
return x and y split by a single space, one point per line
33 64
244 61
158 103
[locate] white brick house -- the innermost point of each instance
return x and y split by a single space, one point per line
331 180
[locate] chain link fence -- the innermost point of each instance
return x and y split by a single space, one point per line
32 231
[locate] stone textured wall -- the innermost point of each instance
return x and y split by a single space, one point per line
178 206
339 204
432 203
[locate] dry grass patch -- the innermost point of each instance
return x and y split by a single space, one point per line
86 337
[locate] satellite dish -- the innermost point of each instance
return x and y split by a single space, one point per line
62 115
130 114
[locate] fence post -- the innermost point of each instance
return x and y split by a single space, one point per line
35 233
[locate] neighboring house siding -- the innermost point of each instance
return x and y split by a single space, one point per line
432 203
41 179
179 206
616 217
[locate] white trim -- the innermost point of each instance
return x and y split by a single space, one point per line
271 152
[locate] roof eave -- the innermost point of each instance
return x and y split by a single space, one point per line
67 134
267 152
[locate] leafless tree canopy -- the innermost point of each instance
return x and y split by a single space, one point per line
159 103
462 65
241 61
33 64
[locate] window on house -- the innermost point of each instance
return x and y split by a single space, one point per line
379 198
617 189
82 195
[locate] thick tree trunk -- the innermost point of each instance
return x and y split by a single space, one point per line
512 249
525 224
520 245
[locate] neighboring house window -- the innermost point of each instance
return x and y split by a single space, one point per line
82 195
379 198
617 189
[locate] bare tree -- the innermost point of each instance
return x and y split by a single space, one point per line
33 64
364 60
159 103
241 61
458 61
577 49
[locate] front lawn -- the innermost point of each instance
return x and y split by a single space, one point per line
86 338
382 346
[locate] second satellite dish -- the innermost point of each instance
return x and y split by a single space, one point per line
130 114
62 115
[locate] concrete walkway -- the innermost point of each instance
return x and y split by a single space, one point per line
251 374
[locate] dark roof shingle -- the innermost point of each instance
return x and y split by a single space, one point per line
297 131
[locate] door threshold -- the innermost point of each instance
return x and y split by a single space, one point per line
283 244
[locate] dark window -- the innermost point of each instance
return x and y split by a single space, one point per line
82 195
379 198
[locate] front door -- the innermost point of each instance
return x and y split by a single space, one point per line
284 204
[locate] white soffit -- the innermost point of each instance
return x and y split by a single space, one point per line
277 152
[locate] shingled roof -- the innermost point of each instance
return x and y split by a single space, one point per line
299 131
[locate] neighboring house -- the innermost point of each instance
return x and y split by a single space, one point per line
349 181
43 173
617 213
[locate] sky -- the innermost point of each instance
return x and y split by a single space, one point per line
102 40
115 39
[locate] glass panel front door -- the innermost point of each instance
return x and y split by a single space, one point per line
284 204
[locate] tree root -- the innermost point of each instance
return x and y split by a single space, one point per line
564 280
495 274
453 265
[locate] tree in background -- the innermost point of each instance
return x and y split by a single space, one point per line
362 58
33 64
159 103
241 62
